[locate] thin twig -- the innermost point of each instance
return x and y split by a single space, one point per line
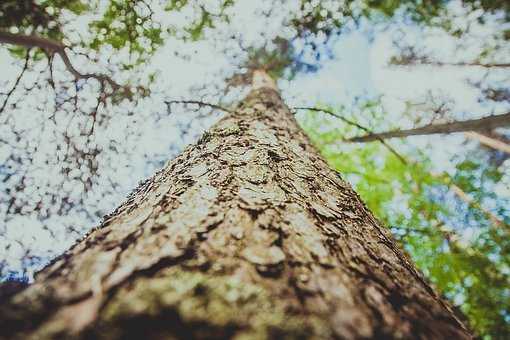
16 83
51 78
100 100
348 121
440 63
199 103
353 123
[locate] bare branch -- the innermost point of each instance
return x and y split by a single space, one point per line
102 78
486 123
55 47
30 41
16 83
51 79
100 100
199 103
350 122
440 63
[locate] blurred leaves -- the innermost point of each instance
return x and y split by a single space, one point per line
127 23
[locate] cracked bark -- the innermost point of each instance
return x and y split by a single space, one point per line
247 234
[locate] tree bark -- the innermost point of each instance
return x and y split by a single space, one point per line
482 124
248 234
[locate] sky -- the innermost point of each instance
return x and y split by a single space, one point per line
145 136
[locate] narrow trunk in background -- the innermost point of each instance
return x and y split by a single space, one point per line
247 234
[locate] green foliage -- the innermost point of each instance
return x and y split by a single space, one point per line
128 24
459 250
206 19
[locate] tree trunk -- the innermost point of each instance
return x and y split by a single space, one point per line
247 234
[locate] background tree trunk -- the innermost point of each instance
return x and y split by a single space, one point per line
247 234
483 124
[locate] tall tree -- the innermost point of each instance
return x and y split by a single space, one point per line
131 25
247 233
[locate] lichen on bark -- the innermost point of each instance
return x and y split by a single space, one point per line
247 234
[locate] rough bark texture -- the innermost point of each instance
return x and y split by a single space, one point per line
247 234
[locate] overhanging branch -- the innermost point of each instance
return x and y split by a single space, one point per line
16 83
482 124
199 103
54 47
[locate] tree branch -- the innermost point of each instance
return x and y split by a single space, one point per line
486 123
54 47
30 41
406 62
350 122
16 83
199 103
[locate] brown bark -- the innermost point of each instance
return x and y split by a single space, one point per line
482 124
247 234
